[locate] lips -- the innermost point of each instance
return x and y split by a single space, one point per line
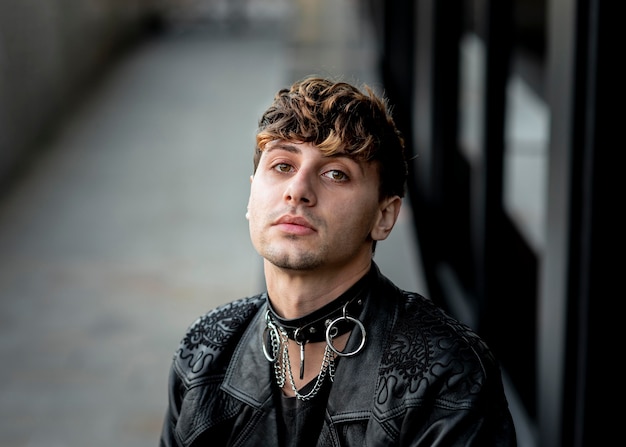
294 225
294 220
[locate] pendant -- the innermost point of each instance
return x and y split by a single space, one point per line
301 360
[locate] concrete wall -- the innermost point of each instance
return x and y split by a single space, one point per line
49 51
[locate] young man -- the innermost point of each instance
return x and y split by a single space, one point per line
333 354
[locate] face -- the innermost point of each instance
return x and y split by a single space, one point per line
308 211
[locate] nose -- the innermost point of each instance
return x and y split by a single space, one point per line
300 188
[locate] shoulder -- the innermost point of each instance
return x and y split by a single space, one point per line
421 317
206 346
428 352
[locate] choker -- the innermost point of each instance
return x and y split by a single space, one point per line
312 328
324 324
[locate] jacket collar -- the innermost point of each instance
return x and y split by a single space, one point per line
356 378
249 374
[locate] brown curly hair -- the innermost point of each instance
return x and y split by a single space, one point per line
338 117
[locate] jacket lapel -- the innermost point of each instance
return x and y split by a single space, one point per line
249 374
356 377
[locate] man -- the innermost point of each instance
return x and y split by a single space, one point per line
333 354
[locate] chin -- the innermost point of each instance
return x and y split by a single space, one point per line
298 263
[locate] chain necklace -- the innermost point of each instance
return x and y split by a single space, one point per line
282 365
325 324
284 368
279 342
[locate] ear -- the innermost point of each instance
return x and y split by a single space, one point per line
388 212
248 206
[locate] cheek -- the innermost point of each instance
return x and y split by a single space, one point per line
357 214
257 203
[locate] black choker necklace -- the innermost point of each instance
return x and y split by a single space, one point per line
312 328
332 320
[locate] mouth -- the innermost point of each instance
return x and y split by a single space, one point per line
294 220
294 225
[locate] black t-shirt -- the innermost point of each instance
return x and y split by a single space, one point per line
300 421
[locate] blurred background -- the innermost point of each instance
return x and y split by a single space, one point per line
126 135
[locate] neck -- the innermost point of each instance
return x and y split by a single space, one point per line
295 294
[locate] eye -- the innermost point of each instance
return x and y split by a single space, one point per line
336 175
283 167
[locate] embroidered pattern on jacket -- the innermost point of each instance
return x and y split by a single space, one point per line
210 334
428 347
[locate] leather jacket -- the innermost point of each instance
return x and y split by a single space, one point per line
423 379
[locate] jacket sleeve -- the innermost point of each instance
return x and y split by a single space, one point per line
168 432
484 422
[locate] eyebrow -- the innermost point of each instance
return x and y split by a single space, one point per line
296 150
283 146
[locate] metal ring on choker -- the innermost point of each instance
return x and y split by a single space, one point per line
329 336
274 338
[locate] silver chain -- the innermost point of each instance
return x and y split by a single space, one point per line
282 369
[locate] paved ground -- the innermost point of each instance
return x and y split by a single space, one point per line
132 223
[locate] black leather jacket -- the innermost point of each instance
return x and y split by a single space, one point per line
423 379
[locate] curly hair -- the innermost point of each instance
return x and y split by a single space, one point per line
338 117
